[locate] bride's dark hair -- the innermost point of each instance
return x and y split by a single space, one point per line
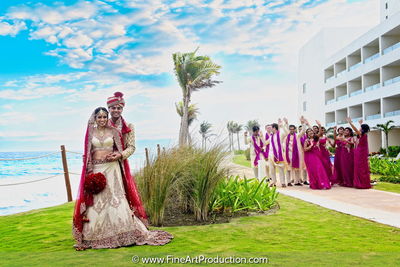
97 110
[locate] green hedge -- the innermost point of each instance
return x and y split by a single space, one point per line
389 168
393 180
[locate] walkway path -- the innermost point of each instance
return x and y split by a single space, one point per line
374 205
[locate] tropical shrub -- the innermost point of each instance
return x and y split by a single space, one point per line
393 151
384 166
394 180
235 194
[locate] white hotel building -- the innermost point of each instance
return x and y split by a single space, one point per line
360 80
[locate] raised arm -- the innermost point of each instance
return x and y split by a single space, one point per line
334 132
303 127
353 126
319 128
284 126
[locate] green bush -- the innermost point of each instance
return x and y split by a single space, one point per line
394 180
385 166
393 151
247 153
332 150
382 151
235 194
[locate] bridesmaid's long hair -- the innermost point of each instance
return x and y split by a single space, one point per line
364 128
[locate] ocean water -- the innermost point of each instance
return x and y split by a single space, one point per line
50 192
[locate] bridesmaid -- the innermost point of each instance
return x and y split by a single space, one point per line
339 147
347 163
325 155
362 178
312 157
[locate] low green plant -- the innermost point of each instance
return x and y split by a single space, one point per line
235 194
385 166
393 151
390 179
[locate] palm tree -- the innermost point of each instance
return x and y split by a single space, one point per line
193 111
204 131
386 128
250 124
237 128
230 127
193 73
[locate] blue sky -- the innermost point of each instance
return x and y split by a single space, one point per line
61 59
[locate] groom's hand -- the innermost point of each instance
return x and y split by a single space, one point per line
115 156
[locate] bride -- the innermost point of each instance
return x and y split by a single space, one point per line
114 217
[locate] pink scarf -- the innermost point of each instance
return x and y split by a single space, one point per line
258 150
277 154
295 152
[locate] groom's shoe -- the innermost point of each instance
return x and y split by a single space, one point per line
283 185
298 184
306 183
289 184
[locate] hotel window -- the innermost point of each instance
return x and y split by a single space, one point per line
386 5
304 88
304 106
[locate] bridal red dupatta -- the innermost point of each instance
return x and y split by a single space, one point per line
84 200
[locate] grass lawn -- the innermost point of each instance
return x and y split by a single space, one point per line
241 160
299 234
390 187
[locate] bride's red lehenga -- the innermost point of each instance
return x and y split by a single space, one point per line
114 217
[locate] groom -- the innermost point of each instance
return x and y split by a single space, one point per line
116 105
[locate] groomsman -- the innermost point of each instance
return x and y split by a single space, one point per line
275 155
258 153
294 154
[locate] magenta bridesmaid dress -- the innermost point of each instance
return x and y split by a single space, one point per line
326 159
362 178
317 175
347 164
337 167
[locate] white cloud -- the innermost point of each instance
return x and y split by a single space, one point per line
11 29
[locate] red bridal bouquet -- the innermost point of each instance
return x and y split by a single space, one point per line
95 183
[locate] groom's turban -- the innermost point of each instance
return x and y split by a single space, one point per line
116 99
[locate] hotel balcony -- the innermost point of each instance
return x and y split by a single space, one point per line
372 110
329 73
391 106
354 60
355 87
341 116
340 67
372 80
330 119
330 96
391 40
391 73
341 92
371 51
356 112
